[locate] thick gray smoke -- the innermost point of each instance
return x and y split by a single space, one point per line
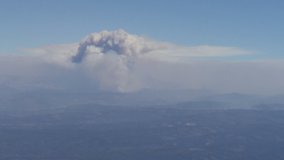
127 46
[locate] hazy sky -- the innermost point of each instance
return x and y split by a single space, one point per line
249 24
227 46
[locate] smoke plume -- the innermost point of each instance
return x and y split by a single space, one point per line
122 62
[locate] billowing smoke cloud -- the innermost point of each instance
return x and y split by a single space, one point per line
111 56
119 61
127 46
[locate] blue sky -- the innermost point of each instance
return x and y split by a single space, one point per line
253 25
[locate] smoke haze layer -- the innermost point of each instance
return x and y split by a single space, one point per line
122 62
